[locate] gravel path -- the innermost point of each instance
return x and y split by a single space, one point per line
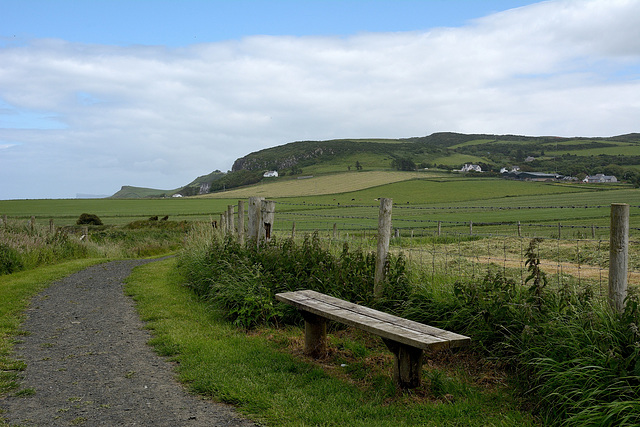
89 364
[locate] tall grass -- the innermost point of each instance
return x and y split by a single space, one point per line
575 360
24 246
242 280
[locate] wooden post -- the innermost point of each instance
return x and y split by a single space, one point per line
230 222
255 204
32 223
223 223
267 215
593 231
293 230
439 227
51 227
559 231
335 231
315 334
384 235
241 222
470 228
519 230
407 368
396 233
85 233
618 255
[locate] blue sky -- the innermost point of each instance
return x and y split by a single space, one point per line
99 94
184 22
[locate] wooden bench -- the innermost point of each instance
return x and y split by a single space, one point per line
405 338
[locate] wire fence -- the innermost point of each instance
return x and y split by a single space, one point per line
443 245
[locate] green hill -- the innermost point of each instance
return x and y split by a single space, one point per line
446 151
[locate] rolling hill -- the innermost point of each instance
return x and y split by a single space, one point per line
444 151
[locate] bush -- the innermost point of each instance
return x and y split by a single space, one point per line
88 219
242 281
9 260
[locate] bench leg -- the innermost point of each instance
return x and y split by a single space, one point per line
407 369
315 334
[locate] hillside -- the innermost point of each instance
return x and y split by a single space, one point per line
444 151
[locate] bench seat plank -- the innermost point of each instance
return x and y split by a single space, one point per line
383 324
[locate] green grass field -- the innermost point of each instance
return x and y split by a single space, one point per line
410 191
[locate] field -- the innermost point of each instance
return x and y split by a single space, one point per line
418 196
465 241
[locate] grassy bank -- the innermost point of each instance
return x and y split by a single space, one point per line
267 379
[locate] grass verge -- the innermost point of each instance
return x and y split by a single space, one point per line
263 375
15 292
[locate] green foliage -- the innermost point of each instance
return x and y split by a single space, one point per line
242 280
403 164
89 219
9 260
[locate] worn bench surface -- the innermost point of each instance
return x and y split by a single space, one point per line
385 325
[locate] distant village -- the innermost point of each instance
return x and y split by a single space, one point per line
516 173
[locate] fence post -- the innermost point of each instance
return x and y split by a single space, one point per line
519 229
230 222
51 227
267 214
223 223
335 231
470 228
255 204
618 255
439 227
241 222
559 231
593 232
384 235
293 230
32 223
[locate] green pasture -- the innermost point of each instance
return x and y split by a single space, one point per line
368 161
351 200
456 159
112 211
622 149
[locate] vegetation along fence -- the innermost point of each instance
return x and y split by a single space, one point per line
573 255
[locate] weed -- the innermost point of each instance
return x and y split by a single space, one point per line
27 392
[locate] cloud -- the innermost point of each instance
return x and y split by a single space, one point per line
158 117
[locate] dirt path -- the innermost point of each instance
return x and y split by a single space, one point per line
89 364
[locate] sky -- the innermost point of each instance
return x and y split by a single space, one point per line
97 94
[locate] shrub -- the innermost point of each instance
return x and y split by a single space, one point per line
9 260
88 219
242 281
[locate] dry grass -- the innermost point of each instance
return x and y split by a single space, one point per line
326 184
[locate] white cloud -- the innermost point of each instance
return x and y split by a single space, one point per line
159 117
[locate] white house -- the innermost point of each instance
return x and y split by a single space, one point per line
513 169
270 174
471 168
599 178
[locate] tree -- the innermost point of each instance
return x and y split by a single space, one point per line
403 164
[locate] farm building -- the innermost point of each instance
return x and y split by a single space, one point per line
471 168
532 176
513 169
270 174
599 178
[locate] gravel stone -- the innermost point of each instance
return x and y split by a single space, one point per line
89 364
